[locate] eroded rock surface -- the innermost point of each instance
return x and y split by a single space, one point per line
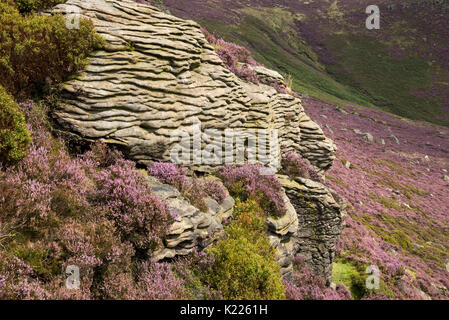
157 75
319 222
192 228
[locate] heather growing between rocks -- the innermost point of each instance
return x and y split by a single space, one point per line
59 210
296 166
247 182
193 189
239 61
37 50
235 57
244 266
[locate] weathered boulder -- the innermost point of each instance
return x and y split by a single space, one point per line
319 222
281 231
192 228
196 229
158 75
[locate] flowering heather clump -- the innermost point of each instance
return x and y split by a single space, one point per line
235 57
169 173
296 166
306 285
176 176
126 198
95 211
158 282
247 182
214 189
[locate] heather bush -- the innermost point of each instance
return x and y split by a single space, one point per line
38 49
306 285
169 173
296 166
124 196
30 6
157 281
244 263
240 272
247 182
214 189
18 280
192 270
95 211
102 155
191 188
14 135
235 57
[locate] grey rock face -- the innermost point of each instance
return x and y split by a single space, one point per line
319 222
192 228
157 75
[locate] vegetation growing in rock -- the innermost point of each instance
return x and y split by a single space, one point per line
244 263
14 135
248 182
58 211
194 189
296 166
37 50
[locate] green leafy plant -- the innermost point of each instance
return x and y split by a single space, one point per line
35 50
245 266
14 135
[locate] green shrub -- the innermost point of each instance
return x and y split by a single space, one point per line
14 135
38 49
245 266
29 6
241 273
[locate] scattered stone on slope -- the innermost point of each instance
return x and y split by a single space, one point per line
394 138
268 76
368 137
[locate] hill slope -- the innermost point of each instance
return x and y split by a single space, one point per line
324 45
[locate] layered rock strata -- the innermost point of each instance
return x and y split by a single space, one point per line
155 82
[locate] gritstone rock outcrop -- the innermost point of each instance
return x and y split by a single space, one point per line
158 74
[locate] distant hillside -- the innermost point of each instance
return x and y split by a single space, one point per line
324 45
